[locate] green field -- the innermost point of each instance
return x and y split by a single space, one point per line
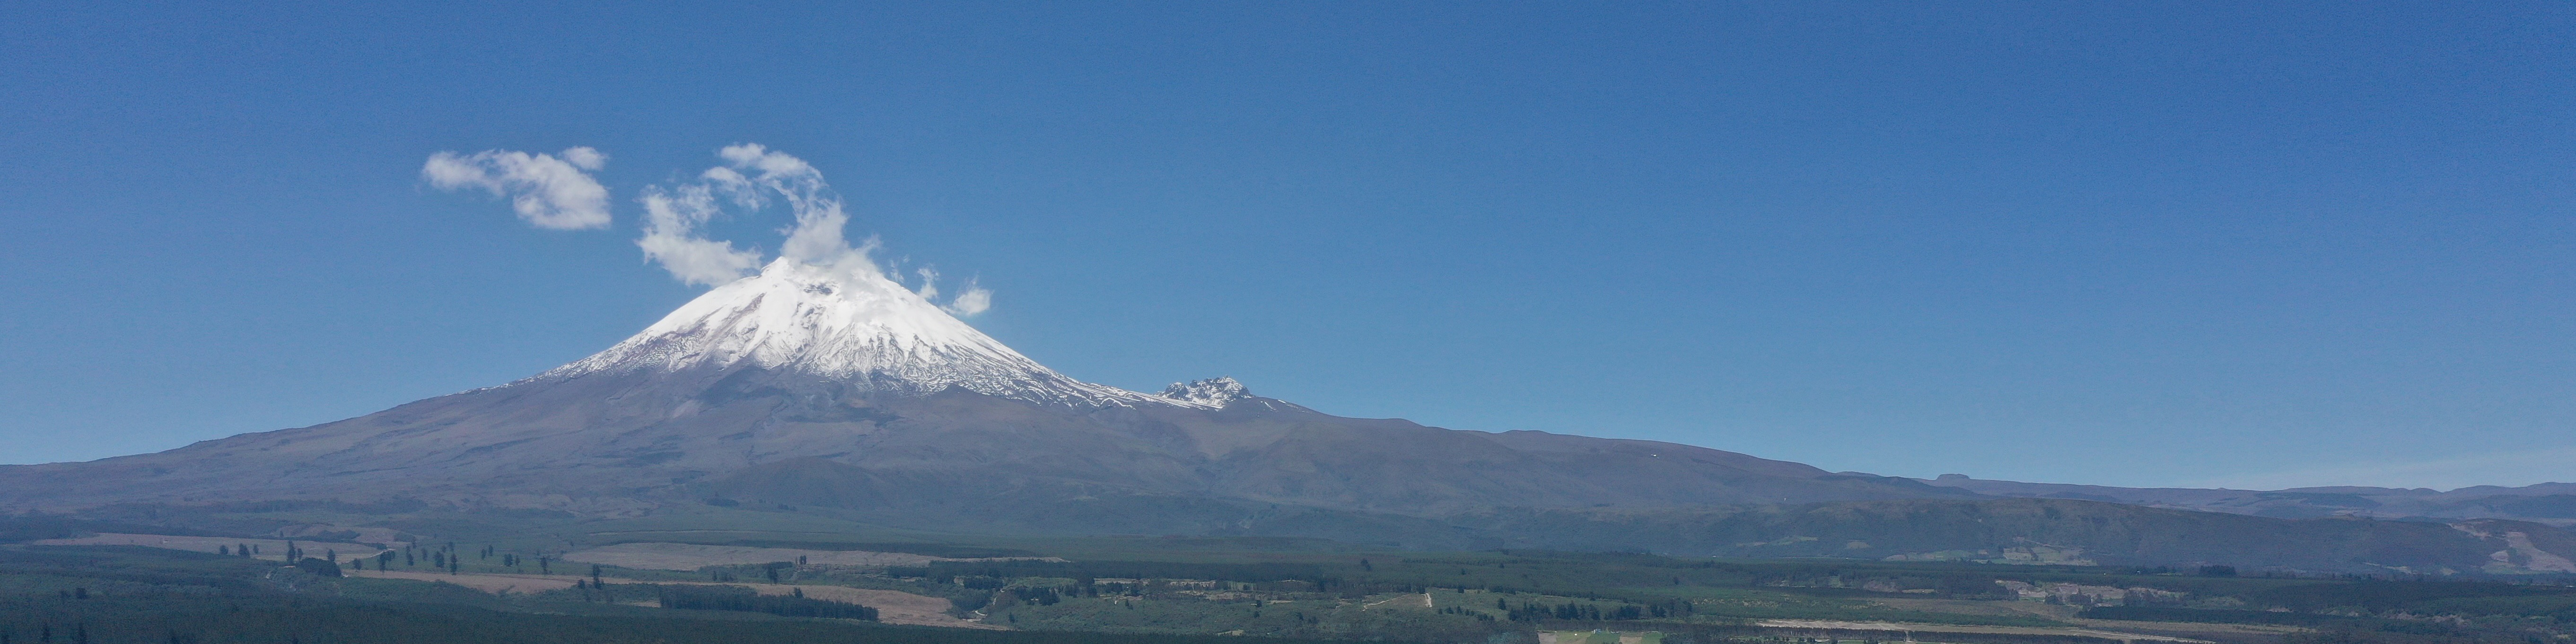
1155 589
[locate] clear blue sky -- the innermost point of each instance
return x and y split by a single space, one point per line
2120 243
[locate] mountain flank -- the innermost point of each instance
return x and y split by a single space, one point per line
833 393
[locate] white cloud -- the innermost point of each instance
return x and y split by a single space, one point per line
973 300
929 283
547 191
751 179
756 175
671 220
557 191
585 158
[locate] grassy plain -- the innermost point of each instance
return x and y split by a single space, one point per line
441 576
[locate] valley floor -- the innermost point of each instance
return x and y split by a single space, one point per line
1150 588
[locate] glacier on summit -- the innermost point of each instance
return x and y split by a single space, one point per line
845 323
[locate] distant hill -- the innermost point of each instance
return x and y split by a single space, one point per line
2548 503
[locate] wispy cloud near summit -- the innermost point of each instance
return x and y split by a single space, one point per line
557 192
971 300
671 220
755 176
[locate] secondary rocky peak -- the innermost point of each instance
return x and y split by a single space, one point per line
1213 392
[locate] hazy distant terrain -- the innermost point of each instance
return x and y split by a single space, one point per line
2550 503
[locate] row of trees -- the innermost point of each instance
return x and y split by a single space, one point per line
1570 611
439 557
743 599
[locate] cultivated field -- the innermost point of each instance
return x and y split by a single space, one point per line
270 549
690 556
893 607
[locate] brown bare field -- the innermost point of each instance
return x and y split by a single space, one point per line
270 549
2212 630
1894 627
2067 613
1423 600
690 556
490 583
365 535
1982 607
893 607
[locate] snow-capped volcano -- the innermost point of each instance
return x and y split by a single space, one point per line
826 385
847 325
